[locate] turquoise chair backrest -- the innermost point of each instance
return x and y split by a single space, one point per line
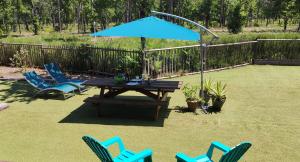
35 80
98 149
236 153
55 72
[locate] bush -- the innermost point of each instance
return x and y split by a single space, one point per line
256 24
20 59
36 25
235 20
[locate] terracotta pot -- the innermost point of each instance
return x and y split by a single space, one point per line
192 105
217 103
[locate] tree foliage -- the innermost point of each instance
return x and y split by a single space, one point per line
87 15
235 20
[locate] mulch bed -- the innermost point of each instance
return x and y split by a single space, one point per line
13 73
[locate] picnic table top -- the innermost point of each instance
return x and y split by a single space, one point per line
154 84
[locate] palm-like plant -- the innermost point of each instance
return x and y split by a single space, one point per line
220 90
208 85
207 91
219 97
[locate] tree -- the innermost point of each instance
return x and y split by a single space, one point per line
36 25
288 9
222 7
205 11
235 20
297 10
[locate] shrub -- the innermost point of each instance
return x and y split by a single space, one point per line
20 59
36 25
235 20
191 92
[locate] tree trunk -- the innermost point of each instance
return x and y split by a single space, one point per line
142 9
222 13
59 16
298 27
285 23
78 17
19 25
206 21
128 11
26 25
170 8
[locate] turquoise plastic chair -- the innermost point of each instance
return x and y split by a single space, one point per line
38 82
56 74
101 150
229 155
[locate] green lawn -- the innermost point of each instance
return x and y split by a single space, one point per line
68 39
262 107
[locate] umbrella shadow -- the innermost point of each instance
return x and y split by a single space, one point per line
113 114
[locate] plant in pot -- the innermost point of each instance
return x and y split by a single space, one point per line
207 91
156 68
218 97
119 78
191 95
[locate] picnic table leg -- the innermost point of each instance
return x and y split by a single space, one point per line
102 89
158 100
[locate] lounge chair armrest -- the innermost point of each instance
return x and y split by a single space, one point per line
113 140
181 157
219 146
145 154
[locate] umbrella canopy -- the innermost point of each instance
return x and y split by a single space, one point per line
151 27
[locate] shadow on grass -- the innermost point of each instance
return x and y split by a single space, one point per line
21 91
183 109
16 91
209 110
113 114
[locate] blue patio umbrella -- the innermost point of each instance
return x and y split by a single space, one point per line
150 27
153 27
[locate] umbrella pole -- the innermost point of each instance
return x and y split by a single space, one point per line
143 45
202 46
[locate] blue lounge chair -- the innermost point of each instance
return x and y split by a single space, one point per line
56 74
36 81
100 149
229 155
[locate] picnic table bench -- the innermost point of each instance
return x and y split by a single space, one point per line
157 90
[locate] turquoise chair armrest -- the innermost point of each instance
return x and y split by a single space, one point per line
181 157
113 140
219 146
145 154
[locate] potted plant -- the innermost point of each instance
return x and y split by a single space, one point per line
207 91
218 97
119 78
156 68
191 95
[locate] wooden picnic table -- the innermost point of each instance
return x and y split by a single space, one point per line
157 90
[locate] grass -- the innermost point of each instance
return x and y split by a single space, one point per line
262 107
54 38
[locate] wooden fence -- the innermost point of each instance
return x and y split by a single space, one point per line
72 58
162 62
